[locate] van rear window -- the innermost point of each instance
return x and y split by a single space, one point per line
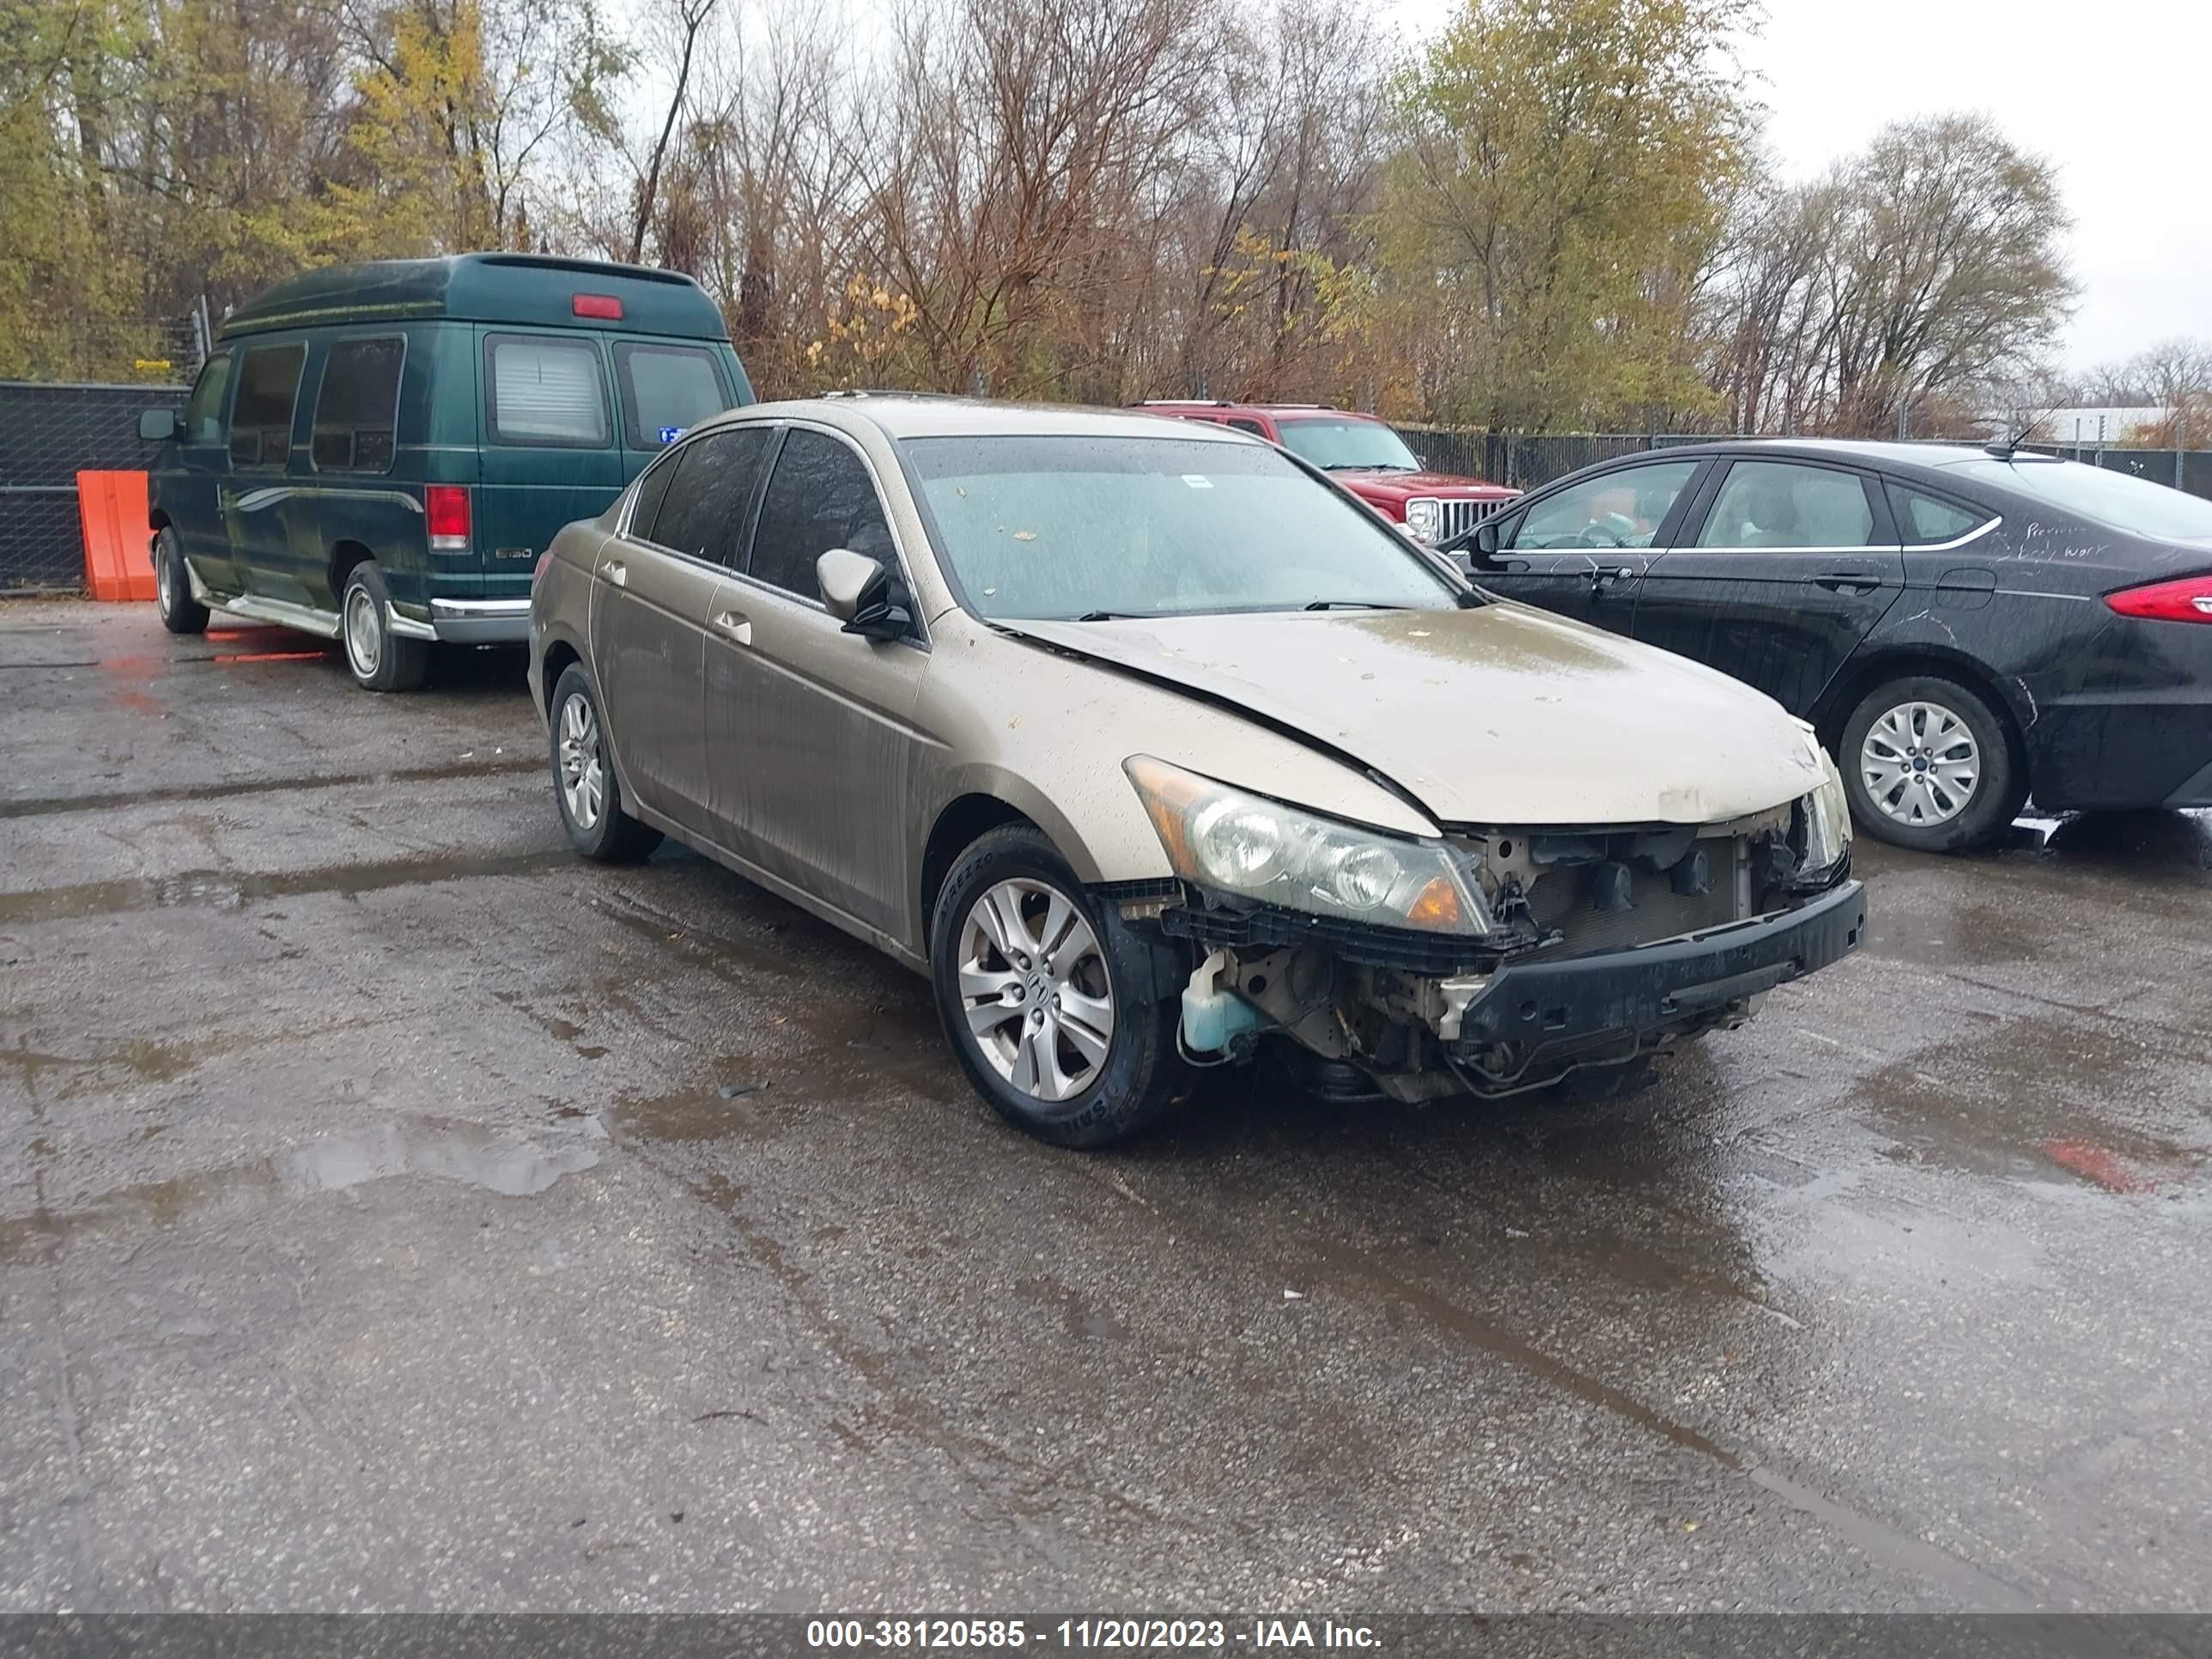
666 390
544 391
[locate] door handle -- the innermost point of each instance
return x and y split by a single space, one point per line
616 572
739 628
1848 581
1603 579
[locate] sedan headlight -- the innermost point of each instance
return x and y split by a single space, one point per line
1827 821
1225 840
1425 516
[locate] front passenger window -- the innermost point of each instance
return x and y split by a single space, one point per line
1615 509
203 413
261 418
1780 504
820 496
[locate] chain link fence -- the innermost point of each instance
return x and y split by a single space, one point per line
48 435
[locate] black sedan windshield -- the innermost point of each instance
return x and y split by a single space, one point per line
1064 528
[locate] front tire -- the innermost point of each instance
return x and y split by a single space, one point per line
1927 764
380 659
1048 1002
585 786
180 611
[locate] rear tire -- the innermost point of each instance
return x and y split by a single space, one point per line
584 788
1011 914
380 659
180 611
1927 764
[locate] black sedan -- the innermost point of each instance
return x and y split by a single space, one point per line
1966 628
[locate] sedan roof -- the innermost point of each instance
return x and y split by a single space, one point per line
1869 451
926 415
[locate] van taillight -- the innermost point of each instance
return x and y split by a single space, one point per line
447 508
2189 599
603 305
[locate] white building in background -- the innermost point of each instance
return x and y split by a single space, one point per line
2088 426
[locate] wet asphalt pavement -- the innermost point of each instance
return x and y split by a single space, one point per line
397 1213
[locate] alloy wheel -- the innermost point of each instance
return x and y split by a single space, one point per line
165 582
1920 763
1035 989
583 767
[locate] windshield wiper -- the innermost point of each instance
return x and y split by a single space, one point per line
1351 604
1109 616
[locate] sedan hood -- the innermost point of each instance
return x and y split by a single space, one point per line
1501 715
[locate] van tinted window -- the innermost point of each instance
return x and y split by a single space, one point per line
261 418
666 390
821 497
204 414
540 391
703 512
357 410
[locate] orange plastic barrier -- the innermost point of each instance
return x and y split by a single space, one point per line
113 506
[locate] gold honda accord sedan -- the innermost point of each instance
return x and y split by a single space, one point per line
1150 746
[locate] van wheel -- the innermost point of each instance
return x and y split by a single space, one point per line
1044 998
584 782
180 611
381 660
1927 764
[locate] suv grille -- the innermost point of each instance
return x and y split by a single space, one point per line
1457 518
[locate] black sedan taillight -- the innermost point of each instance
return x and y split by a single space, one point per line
2188 599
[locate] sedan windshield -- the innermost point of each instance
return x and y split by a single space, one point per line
2114 498
1076 528
1348 444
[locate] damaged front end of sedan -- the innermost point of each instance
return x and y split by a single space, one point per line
1486 960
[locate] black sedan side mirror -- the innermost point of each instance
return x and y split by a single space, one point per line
857 591
157 426
1484 542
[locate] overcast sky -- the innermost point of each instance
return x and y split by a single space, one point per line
2119 94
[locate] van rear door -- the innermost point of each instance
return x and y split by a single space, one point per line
550 451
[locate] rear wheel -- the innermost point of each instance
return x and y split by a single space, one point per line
584 782
381 660
180 611
1927 764
1050 1002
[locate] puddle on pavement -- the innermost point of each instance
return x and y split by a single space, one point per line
221 889
469 1154
2049 1098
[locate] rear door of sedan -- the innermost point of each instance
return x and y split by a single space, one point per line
809 735
1780 569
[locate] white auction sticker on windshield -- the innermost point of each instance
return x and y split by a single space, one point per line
1198 481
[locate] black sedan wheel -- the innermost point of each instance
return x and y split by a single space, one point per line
1928 765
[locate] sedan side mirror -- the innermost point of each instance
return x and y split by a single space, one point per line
857 591
157 426
1486 539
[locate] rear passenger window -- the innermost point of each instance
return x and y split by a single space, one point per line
819 497
357 410
1928 519
1780 504
666 390
544 391
703 512
203 412
261 418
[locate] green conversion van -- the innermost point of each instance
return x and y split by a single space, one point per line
379 453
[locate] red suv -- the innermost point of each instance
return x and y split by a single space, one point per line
1365 455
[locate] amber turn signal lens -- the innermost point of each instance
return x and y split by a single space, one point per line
1436 905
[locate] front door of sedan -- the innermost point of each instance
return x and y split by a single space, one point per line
811 743
1777 580
1583 551
652 606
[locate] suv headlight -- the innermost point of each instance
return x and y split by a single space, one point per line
1425 516
1827 821
1232 843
